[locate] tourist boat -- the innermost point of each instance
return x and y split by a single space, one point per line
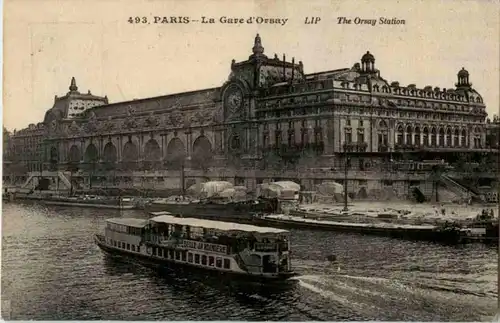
119 203
238 249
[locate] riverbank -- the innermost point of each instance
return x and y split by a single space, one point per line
416 210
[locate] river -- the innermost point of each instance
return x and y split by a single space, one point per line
52 270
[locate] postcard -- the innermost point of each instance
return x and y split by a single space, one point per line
250 160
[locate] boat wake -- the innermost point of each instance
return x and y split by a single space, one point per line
368 296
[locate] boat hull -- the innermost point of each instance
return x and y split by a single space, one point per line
210 211
168 264
91 205
424 234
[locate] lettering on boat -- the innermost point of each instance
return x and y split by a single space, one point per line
197 245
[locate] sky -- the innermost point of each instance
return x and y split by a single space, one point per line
48 42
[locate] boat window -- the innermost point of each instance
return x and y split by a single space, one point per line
133 247
117 227
203 260
154 251
171 254
227 263
183 254
138 248
211 261
114 243
218 262
190 257
177 255
128 246
196 258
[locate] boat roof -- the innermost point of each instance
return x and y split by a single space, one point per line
165 217
130 222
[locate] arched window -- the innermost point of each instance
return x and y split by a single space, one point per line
464 138
456 141
408 135
426 138
417 136
441 137
433 137
400 135
448 141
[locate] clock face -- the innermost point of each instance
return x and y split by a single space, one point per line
233 101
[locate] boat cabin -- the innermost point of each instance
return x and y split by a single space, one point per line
221 246
258 249
125 233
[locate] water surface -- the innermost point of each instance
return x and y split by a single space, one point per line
52 270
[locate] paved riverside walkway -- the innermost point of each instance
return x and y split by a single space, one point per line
453 211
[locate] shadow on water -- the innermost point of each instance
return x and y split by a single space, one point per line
201 284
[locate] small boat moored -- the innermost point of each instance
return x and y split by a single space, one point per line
118 203
244 250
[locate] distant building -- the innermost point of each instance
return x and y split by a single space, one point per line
65 116
26 152
269 121
493 133
6 156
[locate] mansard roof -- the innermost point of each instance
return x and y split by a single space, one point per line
62 104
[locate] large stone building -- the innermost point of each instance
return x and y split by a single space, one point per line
270 120
22 153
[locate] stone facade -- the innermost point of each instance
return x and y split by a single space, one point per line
268 121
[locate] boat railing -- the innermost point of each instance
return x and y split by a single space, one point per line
168 242
162 240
